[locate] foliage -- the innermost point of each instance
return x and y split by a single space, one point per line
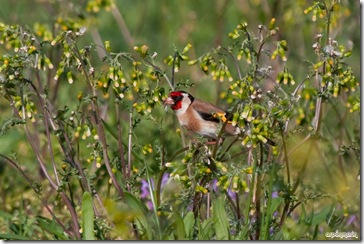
97 157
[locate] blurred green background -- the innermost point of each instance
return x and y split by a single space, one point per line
205 24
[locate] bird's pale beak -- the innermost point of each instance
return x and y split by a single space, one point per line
168 101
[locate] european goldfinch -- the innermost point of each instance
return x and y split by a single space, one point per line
201 117
198 116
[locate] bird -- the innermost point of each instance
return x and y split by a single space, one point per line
203 118
200 117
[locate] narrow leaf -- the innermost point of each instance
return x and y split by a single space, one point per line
52 227
87 217
189 223
13 237
179 229
220 218
5 215
321 216
142 212
205 230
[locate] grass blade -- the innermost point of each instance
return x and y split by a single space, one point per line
13 237
52 227
205 230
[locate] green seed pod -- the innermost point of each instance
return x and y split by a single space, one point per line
262 138
144 51
111 72
235 182
245 141
318 65
187 157
184 57
235 119
192 62
69 77
348 54
107 46
187 48
272 24
274 54
245 112
168 60
285 78
227 184
279 77
292 81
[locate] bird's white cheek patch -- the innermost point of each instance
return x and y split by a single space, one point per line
181 111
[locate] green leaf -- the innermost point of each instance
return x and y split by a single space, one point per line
5 215
205 230
179 226
87 217
276 202
321 216
220 218
13 237
8 124
189 223
52 227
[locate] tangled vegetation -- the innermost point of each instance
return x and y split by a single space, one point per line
89 152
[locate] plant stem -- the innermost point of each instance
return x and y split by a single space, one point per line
98 122
120 142
257 194
130 143
286 158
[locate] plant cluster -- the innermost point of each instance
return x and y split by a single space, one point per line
114 165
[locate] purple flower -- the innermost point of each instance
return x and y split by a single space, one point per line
214 185
144 189
150 205
145 192
351 219
231 194
271 230
275 194
165 179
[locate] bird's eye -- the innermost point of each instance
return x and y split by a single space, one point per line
177 98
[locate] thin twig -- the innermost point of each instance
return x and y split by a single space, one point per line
46 126
286 157
130 143
162 73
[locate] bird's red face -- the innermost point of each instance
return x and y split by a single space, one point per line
175 99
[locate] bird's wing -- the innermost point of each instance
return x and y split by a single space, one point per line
209 111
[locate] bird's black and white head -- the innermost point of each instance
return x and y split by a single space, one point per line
179 101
